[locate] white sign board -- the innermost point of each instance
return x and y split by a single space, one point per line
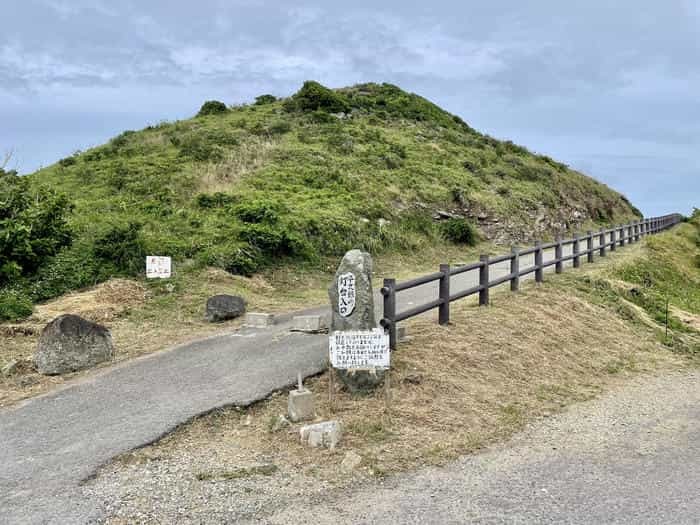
158 267
360 349
346 294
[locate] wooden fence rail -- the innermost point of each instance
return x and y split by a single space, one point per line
607 240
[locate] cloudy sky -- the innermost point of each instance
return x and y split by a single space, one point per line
610 87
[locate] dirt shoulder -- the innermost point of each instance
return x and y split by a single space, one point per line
455 390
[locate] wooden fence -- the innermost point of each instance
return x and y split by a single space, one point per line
593 242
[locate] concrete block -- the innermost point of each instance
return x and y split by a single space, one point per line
326 434
301 405
402 334
259 320
309 323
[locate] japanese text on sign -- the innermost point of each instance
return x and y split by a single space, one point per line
360 349
346 294
158 267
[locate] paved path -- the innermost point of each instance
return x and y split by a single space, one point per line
632 457
49 444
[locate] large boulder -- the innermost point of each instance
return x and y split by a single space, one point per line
355 312
224 307
70 343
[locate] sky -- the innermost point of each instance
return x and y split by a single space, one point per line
609 87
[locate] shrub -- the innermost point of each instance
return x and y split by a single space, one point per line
215 200
265 99
33 226
212 107
14 306
313 96
258 211
123 248
279 127
272 241
460 231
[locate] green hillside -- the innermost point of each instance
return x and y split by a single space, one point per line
244 188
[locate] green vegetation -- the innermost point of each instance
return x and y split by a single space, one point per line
298 179
212 107
663 274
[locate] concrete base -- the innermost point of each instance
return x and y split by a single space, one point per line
301 405
402 334
259 320
326 434
309 323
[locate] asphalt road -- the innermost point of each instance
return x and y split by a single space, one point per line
631 457
49 444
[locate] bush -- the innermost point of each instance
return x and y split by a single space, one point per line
460 231
279 127
265 99
123 248
14 306
313 96
215 200
33 226
212 107
272 241
258 211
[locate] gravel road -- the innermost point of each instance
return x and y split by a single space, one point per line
632 456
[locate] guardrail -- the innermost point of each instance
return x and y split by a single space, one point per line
595 242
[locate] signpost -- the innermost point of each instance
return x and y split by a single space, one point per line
158 267
366 350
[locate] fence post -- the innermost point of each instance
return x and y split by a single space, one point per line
444 311
484 281
539 271
389 293
589 246
515 269
622 236
637 231
613 240
576 247
603 240
558 254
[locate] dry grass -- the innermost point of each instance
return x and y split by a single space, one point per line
238 162
454 390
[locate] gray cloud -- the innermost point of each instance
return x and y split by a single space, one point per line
577 80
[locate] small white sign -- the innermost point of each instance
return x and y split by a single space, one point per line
360 349
346 294
158 267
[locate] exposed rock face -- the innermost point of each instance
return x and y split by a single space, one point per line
224 307
355 266
70 343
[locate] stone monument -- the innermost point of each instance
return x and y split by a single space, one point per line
352 304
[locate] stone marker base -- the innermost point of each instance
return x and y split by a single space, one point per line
259 320
309 323
361 381
301 405
326 434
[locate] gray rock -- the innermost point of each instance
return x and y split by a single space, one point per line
224 307
326 434
70 343
361 317
350 462
10 368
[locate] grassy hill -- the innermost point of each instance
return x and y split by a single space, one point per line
301 179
